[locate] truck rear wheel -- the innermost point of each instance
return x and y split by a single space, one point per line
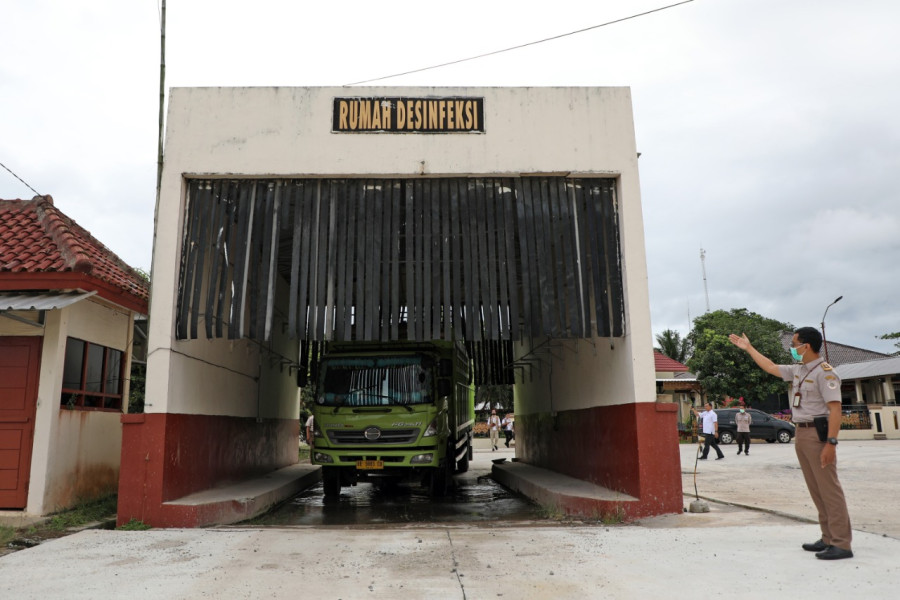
463 464
331 481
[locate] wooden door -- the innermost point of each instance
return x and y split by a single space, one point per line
19 366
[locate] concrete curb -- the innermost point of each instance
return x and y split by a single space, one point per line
571 496
247 499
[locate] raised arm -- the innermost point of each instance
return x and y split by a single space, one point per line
764 363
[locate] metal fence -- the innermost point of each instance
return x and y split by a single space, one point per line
855 417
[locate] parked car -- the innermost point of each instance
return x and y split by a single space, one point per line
763 426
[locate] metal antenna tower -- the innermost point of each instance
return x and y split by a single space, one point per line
703 267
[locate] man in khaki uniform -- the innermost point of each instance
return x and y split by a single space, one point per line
742 421
494 429
815 392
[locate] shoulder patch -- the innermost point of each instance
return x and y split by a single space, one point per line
832 385
827 367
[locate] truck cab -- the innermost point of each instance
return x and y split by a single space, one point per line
393 412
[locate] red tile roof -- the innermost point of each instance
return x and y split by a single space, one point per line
41 248
664 363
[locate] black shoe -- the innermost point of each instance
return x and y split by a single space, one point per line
720 458
816 546
739 452
702 458
834 553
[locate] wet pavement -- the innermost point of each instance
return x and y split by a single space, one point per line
474 498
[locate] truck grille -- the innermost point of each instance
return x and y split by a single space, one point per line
388 436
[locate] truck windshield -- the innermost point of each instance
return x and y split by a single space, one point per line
375 382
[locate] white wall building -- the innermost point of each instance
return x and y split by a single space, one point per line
575 322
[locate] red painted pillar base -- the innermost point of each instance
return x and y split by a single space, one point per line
168 456
631 448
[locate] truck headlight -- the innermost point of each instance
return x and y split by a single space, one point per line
419 459
431 430
322 458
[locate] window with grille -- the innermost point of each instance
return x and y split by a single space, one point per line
92 377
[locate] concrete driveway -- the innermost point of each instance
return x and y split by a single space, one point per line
754 552
770 479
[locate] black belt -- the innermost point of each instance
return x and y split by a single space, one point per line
809 424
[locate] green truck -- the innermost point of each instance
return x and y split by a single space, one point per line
391 412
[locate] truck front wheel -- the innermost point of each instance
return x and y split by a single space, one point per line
331 481
439 480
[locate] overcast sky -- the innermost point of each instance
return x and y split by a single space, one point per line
768 129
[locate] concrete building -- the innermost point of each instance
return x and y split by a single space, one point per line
290 217
869 391
67 310
676 384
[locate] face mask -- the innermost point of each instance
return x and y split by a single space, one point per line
742 411
797 356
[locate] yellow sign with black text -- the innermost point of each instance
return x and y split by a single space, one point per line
408 115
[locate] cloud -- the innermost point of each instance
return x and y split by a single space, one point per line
768 129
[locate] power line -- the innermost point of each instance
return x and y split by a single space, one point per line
36 193
549 39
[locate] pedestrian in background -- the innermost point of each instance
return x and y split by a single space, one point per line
508 424
743 421
710 430
310 435
494 429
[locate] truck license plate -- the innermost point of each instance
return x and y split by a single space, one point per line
370 464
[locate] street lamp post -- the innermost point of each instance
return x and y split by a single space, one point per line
824 342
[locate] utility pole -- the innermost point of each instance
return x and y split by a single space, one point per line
703 267
159 144
162 98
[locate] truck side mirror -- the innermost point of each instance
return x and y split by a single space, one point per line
444 387
445 367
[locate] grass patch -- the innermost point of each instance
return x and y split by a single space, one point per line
304 454
84 513
551 511
613 517
58 525
134 525
7 534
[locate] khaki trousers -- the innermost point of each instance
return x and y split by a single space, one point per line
824 488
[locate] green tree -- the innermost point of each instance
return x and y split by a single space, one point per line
725 370
137 387
893 336
673 345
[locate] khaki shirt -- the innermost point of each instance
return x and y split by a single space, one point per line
743 420
818 384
